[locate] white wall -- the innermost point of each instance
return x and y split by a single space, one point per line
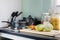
7 7
57 2
55 6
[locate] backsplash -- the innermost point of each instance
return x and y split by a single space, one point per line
35 7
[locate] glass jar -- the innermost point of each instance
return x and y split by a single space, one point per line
45 17
55 21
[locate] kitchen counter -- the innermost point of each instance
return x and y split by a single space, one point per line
24 35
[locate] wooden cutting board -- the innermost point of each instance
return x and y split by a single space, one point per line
52 33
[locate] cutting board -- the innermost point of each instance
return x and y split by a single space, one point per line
52 33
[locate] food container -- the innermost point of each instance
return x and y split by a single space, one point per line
55 20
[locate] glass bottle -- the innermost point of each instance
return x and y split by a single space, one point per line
55 21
